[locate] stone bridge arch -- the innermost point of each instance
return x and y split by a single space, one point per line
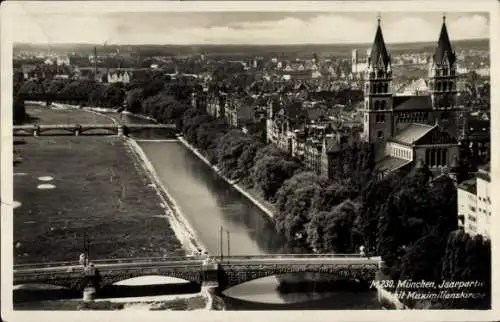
231 275
193 275
53 130
22 132
109 130
75 279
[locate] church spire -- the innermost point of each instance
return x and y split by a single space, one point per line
444 49
379 55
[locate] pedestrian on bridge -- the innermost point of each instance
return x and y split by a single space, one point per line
83 259
362 251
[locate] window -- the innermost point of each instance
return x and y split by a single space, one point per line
377 105
382 105
379 118
380 134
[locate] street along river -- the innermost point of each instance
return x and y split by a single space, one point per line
209 203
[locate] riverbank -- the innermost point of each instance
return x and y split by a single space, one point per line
140 116
187 302
389 300
179 224
237 186
60 114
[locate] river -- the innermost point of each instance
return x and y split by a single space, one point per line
209 203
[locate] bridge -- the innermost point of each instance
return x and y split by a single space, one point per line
85 129
48 98
226 272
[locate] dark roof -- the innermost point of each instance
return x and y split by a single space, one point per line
484 176
390 164
486 167
444 49
412 103
484 172
436 136
379 55
469 186
412 133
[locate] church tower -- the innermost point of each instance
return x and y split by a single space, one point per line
443 83
377 118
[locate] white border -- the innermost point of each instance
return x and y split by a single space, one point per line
7 22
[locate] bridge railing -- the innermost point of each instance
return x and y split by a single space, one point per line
97 262
106 261
292 256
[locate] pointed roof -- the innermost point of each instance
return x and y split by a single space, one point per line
444 49
379 51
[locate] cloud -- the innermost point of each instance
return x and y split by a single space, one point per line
322 28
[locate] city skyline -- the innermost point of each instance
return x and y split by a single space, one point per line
242 28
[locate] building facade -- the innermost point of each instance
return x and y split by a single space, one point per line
474 204
405 128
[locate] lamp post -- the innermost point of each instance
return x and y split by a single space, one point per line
221 237
228 242
86 246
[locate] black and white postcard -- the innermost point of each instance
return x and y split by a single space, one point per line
249 160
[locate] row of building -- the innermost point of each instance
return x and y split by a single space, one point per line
424 126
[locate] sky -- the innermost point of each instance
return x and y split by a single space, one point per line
83 26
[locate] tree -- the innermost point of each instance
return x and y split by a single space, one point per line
332 231
152 88
373 198
292 220
246 161
134 98
419 261
270 172
390 235
298 181
229 148
332 195
443 195
19 111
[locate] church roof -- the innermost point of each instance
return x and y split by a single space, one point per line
390 164
379 54
444 49
412 103
423 134
412 133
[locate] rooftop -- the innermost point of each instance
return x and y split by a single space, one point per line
412 133
469 186
412 103
378 54
444 52
390 164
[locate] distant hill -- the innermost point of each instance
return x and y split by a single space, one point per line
247 50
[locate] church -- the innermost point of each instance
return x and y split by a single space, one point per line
412 129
